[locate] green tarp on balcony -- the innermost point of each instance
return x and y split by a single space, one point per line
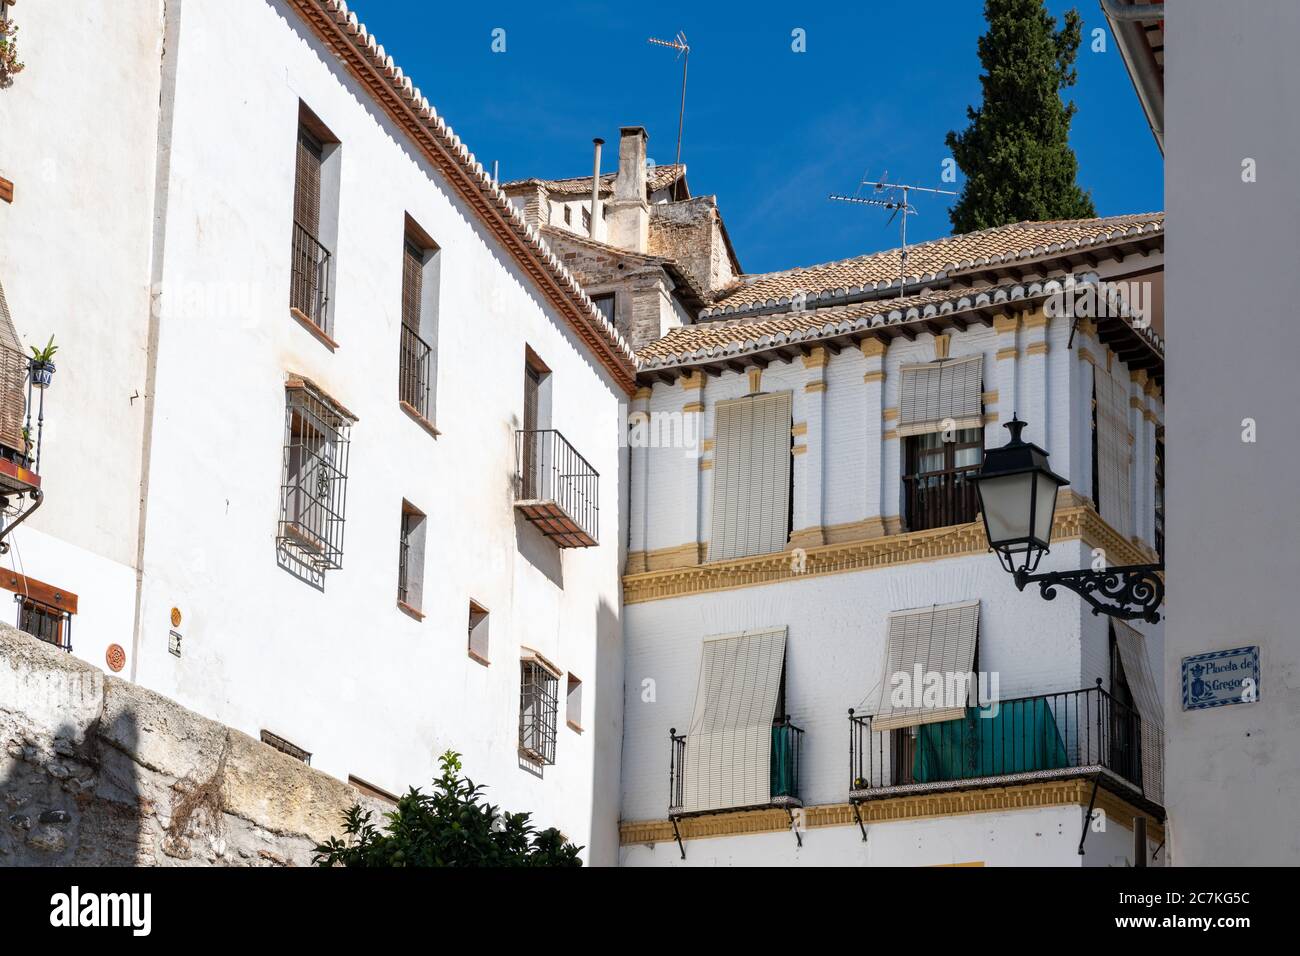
1022 737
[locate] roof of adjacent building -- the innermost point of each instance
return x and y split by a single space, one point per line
348 39
657 178
1018 243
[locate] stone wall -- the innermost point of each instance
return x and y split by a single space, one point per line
95 770
690 232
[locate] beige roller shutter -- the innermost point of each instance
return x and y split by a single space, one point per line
938 640
751 476
935 392
13 379
729 744
1146 696
1114 451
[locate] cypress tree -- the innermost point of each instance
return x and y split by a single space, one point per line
1016 151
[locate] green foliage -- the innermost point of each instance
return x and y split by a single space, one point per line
44 356
10 65
453 826
1016 151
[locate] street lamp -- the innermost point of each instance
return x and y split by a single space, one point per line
1017 493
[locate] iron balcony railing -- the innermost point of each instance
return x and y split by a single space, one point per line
310 280
786 742
414 372
1045 735
940 499
556 488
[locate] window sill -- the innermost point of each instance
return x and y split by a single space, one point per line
413 413
410 611
480 658
576 728
313 328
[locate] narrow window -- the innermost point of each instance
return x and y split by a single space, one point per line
538 709
478 632
568 215
1096 464
282 745
937 485
532 437
586 220
313 492
1160 495
418 355
410 560
50 624
605 304
751 476
573 704
1125 745
315 224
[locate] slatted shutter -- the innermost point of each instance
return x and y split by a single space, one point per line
306 186
751 476
933 393
412 285
13 377
940 640
1146 697
1114 451
729 743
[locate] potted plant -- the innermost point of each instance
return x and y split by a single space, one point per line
10 65
42 363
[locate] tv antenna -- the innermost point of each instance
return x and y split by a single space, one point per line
683 49
894 197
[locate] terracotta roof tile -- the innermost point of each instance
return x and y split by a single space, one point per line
657 178
1019 241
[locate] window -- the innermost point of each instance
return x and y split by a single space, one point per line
410 559
418 356
1160 495
371 791
282 745
586 219
605 305
573 704
537 416
751 476
315 224
568 216
313 491
538 708
51 624
478 632
937 489
1113 444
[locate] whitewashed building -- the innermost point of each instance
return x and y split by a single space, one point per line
332 449
802 529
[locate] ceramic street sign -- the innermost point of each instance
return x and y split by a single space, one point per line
1219 678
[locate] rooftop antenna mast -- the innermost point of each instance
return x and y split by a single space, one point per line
683 49
893 196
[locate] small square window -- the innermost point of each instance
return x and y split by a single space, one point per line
586 219
573 704
568 216
478 632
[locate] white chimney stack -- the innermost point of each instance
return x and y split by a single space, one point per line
629 213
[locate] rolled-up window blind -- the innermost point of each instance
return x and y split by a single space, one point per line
751 476
935 640
937 392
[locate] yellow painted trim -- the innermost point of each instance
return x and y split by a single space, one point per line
990 398
941 343
693 407
799 450
808 537
1135 402
889 414
642 393
1150 416
1007 353
1036 319
1024 796
1073 522
706 464
1036 348
707 444
755 379
1006 323
1086 356
872 347
876 376
799 428
889 435
661 559
990 418
817 358
693 381
817 386
1139 375
1085 327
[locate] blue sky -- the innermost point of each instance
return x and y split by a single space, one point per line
771 132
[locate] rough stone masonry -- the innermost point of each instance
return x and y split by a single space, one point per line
95 770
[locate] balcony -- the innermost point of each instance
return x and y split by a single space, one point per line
414 373
20 448
1082 733
782 788
940 499
556 489
309 281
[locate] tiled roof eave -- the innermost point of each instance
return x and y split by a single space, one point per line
345 36
875 322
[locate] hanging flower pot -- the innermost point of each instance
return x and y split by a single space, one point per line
42 374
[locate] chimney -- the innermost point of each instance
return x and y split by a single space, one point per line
629 213
595 186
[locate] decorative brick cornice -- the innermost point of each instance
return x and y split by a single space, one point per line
1049 793
363 57
1072 523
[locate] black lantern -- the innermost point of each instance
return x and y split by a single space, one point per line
1017 494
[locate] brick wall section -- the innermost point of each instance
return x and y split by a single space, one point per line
691 233
96 771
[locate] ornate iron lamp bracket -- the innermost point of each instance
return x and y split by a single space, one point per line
1129 592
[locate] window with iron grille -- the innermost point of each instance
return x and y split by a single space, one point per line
50 624
586 219
538 710
418 355
937 486
315 222
410 558
282 745
313 493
